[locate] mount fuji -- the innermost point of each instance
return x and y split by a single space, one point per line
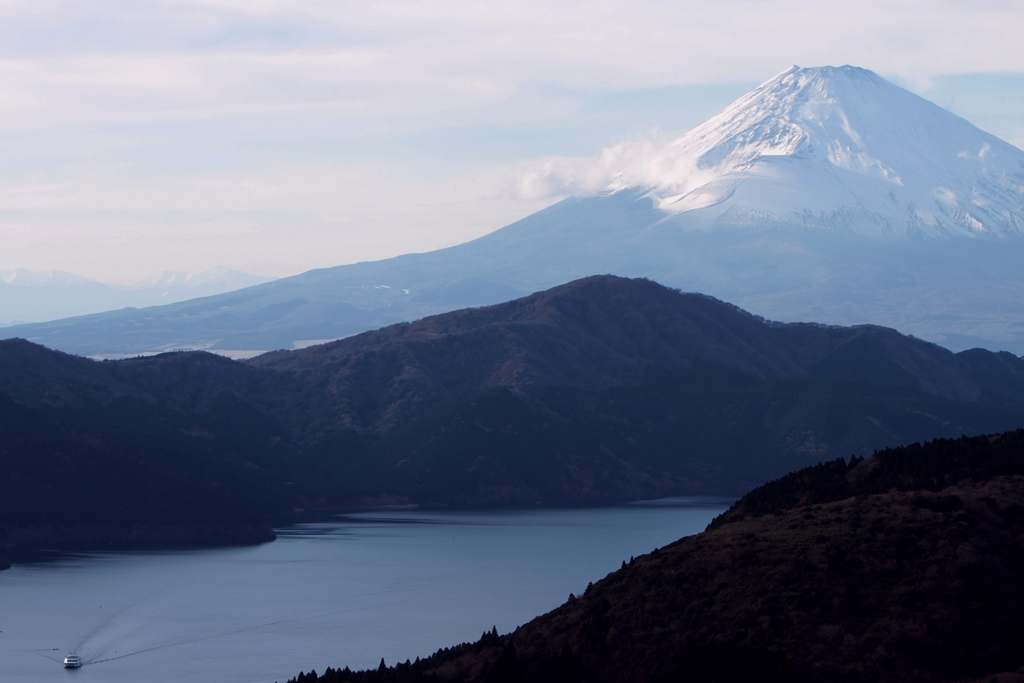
839 150
826 194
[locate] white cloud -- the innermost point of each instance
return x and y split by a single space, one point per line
621 164
426 56
641 161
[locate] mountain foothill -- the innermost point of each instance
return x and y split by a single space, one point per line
599 391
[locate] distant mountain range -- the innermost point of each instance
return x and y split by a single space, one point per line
34 296
602 390
826 194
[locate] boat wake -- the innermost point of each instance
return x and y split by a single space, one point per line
187 640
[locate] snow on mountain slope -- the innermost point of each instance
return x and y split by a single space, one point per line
838 148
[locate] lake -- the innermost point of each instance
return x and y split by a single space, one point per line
396 585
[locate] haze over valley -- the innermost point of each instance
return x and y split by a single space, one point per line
29 296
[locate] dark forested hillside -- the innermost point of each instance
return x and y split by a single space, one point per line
602 390
928 468
602 332
901 567
125 475
701 430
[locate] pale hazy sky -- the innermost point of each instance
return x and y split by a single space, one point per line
274 137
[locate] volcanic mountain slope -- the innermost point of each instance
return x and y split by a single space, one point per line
901 567
826 194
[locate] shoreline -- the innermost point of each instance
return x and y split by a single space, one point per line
46 543
20 545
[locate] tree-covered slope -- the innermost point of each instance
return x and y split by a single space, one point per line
125 475
600 332
697 431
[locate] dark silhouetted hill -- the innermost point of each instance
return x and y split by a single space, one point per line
603 331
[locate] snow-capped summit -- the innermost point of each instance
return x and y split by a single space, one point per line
838 148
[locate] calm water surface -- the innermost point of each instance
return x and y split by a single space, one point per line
386 584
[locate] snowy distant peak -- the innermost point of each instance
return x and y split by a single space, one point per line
49 278
214 278
839 148
32 296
